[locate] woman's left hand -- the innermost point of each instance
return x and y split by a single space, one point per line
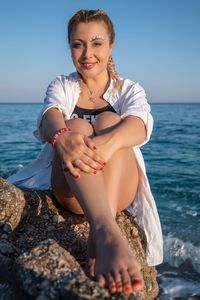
105 146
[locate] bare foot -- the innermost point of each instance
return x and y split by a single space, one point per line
115 264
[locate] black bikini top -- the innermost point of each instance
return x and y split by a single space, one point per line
89 114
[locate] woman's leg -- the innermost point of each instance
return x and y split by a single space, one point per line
121 169
120 177
59 184
119 266
120 173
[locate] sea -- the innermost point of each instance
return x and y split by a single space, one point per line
172 158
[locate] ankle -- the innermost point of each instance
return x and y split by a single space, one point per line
105 229
102 221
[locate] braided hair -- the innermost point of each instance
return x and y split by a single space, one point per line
98 15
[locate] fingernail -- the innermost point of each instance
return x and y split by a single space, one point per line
104 163
101 169
95 172
65 169
127 289
94 148
120 286
77 176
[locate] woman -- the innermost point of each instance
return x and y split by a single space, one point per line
94 168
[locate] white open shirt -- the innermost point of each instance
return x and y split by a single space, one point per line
63 93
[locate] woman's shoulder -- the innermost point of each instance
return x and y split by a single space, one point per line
66 84
61 93
67 79
128 85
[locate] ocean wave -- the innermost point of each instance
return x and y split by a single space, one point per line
192 213
178 288
178 252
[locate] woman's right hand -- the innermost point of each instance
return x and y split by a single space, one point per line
77 153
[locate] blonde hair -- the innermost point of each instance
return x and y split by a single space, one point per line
98 15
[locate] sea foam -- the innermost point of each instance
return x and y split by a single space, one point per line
178 288
178 252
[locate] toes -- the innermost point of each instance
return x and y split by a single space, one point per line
111 283
126 281
119 287
117 278
137 285
136 280
101 280
121 282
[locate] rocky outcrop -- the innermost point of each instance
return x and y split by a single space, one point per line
43 250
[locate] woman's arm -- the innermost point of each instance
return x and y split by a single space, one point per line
130 132
52 122
74 149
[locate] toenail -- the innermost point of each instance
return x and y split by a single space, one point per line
137 285
120 286
137 282
127 289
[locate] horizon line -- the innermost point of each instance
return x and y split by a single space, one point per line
150 102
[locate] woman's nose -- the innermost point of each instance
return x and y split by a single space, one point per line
87 52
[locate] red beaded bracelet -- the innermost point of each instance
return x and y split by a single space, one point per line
53 143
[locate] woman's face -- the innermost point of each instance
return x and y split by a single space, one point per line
90 49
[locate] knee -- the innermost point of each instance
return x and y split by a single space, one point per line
105 121
80 126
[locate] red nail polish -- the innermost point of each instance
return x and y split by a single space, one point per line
137 282
95 172
127 289
77 176
120 286
104 163
113 286
101 169
94 147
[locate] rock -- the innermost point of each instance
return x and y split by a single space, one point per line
55 265
47 248
6 248
4 236
12 203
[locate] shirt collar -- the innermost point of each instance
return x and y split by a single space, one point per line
108 95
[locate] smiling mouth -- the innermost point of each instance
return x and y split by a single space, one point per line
88 66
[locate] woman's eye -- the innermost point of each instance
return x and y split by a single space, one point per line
76 45
96 44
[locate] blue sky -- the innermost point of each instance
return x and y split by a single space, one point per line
157 44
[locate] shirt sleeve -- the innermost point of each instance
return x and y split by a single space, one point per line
55 98
135 103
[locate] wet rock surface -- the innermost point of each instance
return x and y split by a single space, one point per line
43 250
